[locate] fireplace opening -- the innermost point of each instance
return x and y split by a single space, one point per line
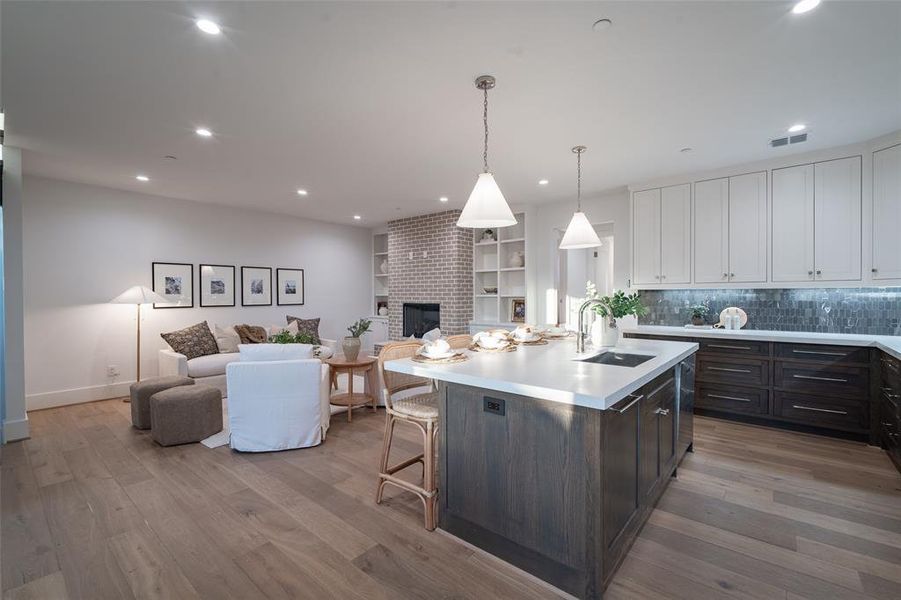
420 318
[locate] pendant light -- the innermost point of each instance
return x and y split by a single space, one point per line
486 206
579 234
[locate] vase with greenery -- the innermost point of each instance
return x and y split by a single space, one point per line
609 309
698 312
351 343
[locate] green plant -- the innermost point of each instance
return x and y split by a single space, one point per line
619 304
699 311
359 328
286 337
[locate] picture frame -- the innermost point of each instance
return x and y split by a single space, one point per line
217 285
256 286
518 310
175 282
289 287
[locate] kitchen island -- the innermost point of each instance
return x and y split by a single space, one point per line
554 463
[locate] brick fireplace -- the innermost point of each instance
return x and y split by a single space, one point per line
430 261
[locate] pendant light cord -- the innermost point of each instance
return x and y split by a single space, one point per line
485 121
579 181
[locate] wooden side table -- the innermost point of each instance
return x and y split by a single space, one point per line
351 399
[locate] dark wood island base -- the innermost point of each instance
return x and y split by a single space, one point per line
560 491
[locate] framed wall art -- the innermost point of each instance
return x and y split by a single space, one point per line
256 286
175 282
217 285
518 310
289 286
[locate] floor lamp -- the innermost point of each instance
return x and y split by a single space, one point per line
139 295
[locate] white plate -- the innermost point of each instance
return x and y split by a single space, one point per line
500 346
447 354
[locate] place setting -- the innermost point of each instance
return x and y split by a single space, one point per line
526 335
556 332
438 352
498 340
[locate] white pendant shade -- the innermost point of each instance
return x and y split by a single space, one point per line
139 295
486 206
579 234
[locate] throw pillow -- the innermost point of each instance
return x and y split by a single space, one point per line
266 352
291 328
227 339
196 340
310 326
252 334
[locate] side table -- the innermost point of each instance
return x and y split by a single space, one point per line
351 399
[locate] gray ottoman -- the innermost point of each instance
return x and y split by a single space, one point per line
143 390
185 414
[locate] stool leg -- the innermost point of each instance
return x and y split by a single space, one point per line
386 451
429 475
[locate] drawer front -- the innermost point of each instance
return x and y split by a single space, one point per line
737 371
890 404
833 413
733 399
828 380
734 347
891 372
823 354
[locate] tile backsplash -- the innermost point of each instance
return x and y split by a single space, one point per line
874 311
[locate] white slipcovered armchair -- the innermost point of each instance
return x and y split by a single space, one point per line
277 404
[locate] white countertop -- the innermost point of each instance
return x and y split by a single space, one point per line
888 343
550 373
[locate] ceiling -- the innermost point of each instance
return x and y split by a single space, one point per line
371 106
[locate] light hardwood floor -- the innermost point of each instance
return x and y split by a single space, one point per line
93 509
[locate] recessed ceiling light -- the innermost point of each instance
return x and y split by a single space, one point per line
543 182
685 149
805 5
302 192
207 26
203 132
443 199
602 24
797 127
142 178
357 217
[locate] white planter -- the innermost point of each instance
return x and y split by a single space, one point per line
596 333
610 332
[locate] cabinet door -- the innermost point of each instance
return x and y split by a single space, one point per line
711 237
887 213
648 453
667 427
793 224
620 470
837 219
646 237
747 228
675 234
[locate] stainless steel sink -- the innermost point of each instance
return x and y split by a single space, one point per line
620 359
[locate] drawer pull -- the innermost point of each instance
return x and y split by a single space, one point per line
819 352
815 378
725 347
822 410
890 365
736 398
630 405
661 411
729 370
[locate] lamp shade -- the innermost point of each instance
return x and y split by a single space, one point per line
486 206
579 234
139 295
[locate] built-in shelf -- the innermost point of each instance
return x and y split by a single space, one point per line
486 295
379 279
510 241
488 260
486 243
485 270
512 269
381 274
380 254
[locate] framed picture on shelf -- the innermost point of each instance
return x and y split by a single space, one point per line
256 286
217 285
518 310
289 286
175 282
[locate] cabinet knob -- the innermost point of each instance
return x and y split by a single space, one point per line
663 277
819 272
874 270
725 275
731 275
810 272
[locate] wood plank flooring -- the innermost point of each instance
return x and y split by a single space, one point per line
92 508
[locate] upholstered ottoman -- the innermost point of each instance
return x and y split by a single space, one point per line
142 391
185 414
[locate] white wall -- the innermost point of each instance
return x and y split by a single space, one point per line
83 245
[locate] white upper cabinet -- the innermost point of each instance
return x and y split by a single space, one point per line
711 237
887 213
675 234
837 215
646 237
747 228
793 224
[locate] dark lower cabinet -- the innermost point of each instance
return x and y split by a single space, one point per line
889 430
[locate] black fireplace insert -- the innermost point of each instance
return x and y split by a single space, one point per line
420 318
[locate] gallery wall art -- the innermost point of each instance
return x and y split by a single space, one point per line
175 282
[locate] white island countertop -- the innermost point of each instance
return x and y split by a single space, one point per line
550 372
887 343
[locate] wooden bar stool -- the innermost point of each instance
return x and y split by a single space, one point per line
420 410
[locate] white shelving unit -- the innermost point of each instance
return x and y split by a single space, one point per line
491 264
379 276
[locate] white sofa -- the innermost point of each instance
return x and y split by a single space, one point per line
210 369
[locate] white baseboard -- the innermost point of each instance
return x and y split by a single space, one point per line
15 430
77 395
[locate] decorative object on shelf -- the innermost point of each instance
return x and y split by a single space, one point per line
516 259
579 233
383 267
486 206
290 286
383 310
698 312
489 290
256 286
518 310
138 295
351 343
175 283
610 309
217 285
489 235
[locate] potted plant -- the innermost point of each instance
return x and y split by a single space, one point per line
351 343
286 337
698 312
611 308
